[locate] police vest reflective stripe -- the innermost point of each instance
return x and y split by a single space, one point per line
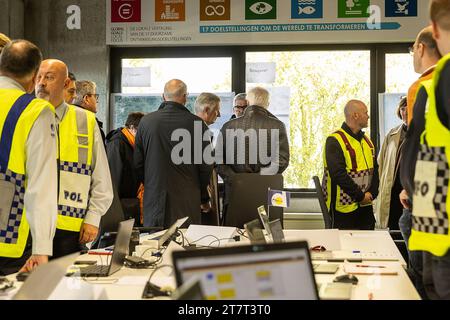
76 140
18 112
359 159
431 203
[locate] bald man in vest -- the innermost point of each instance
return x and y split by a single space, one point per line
85 188
351 172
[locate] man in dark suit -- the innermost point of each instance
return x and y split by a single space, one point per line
254 143
169 160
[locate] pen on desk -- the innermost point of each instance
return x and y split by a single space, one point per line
107 253
367 266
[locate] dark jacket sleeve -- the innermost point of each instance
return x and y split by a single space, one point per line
412 143
138 156
443 96
338 172
375 181
205 170
284 149
115 161
225 171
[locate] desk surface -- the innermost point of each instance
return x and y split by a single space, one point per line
128 284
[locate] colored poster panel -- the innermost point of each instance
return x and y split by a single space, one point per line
170 10
215 10
307 9
125 10
260 10
353 8
401 8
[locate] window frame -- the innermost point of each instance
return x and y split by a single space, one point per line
378 53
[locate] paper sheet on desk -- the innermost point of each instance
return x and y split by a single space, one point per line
132 281
328 238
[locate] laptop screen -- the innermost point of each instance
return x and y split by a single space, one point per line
270 271
121 246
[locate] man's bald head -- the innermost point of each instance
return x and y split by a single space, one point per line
175 90
426 52
356 115
52 79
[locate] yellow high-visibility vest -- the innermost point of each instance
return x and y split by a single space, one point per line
359 159
18 112
431 203
76 141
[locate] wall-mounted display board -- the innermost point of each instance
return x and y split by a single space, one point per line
240 22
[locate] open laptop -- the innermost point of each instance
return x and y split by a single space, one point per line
190 290
42 282
121 248
280 271
171 231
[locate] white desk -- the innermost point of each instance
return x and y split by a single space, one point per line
369 244
129 283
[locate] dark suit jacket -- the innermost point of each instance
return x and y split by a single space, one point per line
172 191
257 118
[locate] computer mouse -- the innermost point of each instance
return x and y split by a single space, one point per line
346 278
22 276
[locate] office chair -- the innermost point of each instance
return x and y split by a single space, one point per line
323 205
397 237
109 223
249 191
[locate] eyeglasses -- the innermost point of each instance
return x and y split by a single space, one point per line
96 95
240 107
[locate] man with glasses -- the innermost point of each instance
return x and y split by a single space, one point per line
239 104
87 98
426 55
425 172
71 90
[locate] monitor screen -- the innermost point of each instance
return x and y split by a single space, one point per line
273 272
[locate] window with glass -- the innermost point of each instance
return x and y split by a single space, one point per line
309 90
143 83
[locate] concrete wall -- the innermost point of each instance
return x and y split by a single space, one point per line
44 23
12 23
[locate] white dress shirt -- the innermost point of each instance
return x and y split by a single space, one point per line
101 192
41 172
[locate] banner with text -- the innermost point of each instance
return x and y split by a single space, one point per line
240 22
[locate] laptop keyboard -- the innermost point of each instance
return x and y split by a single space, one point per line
94 270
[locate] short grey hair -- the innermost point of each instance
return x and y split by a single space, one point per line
83 88
239 96
205 100
175 89
258 96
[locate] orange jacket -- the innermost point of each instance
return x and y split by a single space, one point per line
412 92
